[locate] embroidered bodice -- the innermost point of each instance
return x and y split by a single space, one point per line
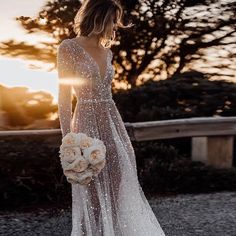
77 70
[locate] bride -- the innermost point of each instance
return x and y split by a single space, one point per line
113 203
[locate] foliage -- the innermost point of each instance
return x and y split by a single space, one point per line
23 108
168 37
31 174
190 94
163 170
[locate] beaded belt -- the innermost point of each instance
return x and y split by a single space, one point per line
95 100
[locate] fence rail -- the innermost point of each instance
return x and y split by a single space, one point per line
212 137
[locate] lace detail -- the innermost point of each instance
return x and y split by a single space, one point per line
113 204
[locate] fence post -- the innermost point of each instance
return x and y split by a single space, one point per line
216 151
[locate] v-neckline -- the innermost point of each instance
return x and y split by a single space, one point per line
95 62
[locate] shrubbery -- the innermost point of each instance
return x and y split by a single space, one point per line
189 95
30 169
162 169
31 174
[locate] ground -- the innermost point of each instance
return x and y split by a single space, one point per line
182 215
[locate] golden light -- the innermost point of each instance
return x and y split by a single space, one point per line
78 81
42 21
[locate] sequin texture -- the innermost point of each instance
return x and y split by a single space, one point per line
113 204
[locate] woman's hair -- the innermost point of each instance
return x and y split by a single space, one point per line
96 17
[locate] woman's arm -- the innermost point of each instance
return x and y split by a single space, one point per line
65 76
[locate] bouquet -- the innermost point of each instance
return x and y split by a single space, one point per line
82 157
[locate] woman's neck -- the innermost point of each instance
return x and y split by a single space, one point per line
92 41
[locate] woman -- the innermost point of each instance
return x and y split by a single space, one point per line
113 203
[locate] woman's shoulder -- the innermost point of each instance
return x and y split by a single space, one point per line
67 47
65 44
72 45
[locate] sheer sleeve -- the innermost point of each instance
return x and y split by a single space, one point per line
65 78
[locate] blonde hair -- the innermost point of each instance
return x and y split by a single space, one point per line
95 16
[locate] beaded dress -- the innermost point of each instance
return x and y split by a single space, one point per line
113 203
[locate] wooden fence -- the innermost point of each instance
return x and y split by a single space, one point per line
212 137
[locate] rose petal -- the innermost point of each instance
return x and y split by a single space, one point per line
94 154
71 177
85 177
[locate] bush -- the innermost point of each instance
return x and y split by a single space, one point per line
31 173
163 170
191 94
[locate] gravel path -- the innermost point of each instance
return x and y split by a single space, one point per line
181 215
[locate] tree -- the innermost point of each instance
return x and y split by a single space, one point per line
24 108
168 37
174 33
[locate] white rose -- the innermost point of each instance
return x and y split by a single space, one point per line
70 139
69 154
94 154
98 167
84 141
79 165
64 164
85 177
99 143
71 176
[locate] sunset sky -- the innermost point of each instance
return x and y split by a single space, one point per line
16 71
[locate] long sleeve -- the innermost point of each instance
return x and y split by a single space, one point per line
65 70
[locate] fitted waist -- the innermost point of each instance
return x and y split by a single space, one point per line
95 100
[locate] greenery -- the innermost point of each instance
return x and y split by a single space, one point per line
31 173
190 94
25 109
162 169
168 37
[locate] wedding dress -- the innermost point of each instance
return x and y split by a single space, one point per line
113 203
